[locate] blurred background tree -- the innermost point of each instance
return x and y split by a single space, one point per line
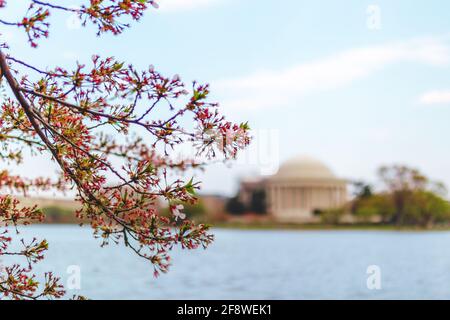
258 202
407 197
235 206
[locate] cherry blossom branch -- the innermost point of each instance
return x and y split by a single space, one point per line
62 112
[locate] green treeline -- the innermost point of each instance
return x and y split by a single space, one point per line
405 197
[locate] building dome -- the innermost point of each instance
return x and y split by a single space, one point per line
304 168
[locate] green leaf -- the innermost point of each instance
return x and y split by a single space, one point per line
190 187
244 126
149 168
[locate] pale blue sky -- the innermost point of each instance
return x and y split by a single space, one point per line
333 88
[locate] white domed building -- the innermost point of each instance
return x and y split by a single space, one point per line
302 188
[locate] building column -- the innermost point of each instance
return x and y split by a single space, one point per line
277 199
272 199
330 196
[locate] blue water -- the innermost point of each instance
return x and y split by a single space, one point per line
260 265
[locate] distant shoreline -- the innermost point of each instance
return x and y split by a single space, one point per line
324 227
293 226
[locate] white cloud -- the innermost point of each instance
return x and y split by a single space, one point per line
435 97
272 88
179 5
